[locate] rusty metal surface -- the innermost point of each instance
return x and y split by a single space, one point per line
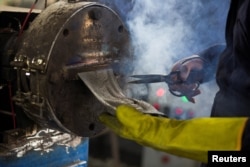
65 39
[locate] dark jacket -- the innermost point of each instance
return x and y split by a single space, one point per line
233 72
233 69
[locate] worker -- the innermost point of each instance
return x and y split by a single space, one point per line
229 126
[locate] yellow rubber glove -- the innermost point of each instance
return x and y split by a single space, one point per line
186 138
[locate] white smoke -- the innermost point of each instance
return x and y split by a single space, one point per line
165 31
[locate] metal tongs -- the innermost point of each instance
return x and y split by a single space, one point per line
173 78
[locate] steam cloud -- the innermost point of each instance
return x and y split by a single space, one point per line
165 31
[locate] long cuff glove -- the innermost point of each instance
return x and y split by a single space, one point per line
186 138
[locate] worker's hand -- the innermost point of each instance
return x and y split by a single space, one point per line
189 138
190 74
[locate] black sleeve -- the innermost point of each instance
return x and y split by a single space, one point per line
246 137
211 56
241 35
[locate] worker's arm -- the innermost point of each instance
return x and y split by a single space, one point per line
186 138
211 56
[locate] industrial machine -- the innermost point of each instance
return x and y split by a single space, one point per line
44 60
62 66
43 100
